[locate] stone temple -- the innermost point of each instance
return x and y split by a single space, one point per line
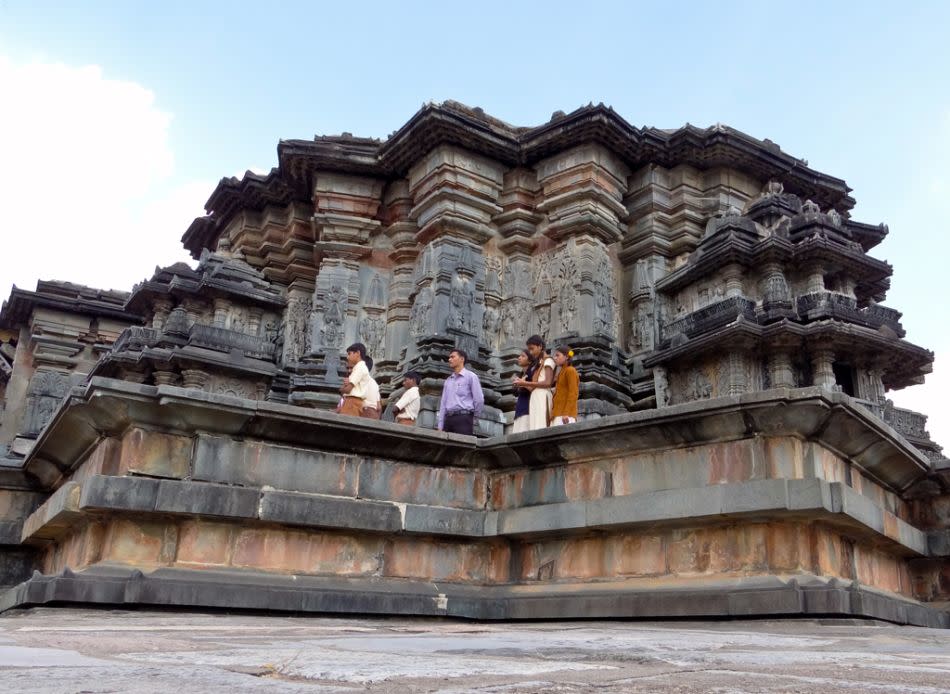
737 455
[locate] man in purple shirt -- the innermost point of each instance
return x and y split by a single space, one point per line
462 398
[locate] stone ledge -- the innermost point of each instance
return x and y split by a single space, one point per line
803 595
107 407
55 517
832 502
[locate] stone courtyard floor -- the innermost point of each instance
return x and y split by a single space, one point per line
80 650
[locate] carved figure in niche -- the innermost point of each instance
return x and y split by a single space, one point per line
376 291
334 313
461 300
602 317
492 281
516 320
568 301
698 386
603 301
371 334
508 333
47 390
237 323
270 332
296 334
491 323
509 279
810 207
542 315
641 329
419 315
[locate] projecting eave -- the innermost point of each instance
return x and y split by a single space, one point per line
232 195
71 298
868 235
440 124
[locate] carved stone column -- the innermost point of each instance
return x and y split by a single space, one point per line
165 377
823 374
775 292
781 374
162 308
254 315
816 279
195 378
732 279
401 231
221 308
738 379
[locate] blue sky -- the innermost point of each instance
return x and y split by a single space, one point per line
176 95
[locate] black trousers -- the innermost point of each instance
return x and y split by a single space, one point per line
459 424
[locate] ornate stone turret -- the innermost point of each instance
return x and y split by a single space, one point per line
215 328
50 339
784 296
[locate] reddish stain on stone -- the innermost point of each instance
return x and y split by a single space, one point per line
200 542
636 555
446 561
583 482
788 547
134 541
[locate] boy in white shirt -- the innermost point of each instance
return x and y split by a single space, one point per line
371 399
407 407
354 387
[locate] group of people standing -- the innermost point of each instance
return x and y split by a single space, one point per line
547 388
359 394
547 391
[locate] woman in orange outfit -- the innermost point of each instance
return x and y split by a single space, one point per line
566 386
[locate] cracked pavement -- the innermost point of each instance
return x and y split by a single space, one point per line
75 650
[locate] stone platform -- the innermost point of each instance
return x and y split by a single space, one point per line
67 650
785 502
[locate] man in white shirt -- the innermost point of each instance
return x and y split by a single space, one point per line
354 387
407 407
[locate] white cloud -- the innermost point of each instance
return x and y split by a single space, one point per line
86 179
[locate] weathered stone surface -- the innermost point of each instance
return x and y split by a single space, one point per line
290 508
156 454
219 459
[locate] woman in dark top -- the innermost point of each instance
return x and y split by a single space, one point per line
524 395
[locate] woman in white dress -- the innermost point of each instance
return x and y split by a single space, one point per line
539 406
